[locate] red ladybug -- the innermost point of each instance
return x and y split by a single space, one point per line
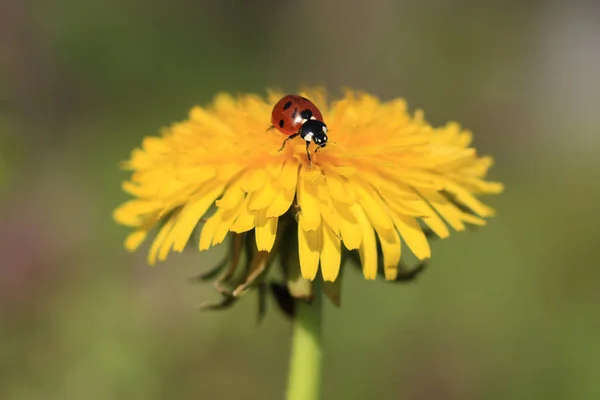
294 116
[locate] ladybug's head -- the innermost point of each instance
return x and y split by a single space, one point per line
316 131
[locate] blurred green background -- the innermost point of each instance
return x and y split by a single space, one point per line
503 313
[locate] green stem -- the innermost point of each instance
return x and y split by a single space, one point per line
304 381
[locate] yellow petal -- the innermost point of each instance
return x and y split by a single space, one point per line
351 235
188 218
245 220
368 246
153 145
281 203
325 206
208 230
420 179
253 180
446 209
414 208
289 175
434 222
266 230
309 247
481 186
390 182
337 188
472 219
226 219
274 169
373 206
264 196
231 198
133 212
227 171
413 235
134 189
464 197
345 170
134 239
158 241
309 212
196 175
330 255
392 250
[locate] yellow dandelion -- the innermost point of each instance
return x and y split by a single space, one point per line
385 177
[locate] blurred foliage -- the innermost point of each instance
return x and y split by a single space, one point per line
10 150
508 311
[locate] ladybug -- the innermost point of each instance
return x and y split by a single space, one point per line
295 116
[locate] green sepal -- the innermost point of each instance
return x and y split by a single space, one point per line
263 291
405 273
259 261
284 299
232 258
225 303
333 290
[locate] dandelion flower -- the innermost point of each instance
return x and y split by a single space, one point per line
386 178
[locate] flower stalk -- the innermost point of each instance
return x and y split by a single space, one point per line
305 373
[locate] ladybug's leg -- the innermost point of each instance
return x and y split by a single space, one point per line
308 154
288 138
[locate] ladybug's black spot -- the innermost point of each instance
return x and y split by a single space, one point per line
306 114
287 105
295 113
281 123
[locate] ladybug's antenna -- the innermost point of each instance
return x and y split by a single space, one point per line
318 148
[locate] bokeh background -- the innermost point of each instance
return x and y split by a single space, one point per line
507 312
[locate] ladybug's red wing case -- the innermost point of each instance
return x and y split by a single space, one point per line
291 112
297 116
307 105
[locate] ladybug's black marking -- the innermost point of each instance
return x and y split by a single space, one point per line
281 123
306 114
287 105
295 113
